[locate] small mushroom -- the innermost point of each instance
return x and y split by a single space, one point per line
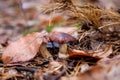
43 50
62 39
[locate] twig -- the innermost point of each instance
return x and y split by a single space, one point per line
114 23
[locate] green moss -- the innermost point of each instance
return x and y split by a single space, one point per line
49 28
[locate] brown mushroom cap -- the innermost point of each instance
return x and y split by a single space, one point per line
61 37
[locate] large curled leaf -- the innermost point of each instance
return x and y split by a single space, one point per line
23 49
78 54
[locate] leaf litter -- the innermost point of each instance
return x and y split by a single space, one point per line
94 55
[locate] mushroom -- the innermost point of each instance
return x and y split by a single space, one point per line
62 39
43 50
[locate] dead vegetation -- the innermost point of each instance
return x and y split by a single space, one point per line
92 53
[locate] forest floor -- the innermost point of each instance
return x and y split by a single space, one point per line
59 40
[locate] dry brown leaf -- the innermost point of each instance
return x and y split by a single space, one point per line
77 54
23 49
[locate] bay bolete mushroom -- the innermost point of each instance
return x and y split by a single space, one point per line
62 39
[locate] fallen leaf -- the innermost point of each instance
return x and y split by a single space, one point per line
23 49
78 54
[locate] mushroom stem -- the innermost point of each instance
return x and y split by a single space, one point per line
63 51
63 48
44 52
